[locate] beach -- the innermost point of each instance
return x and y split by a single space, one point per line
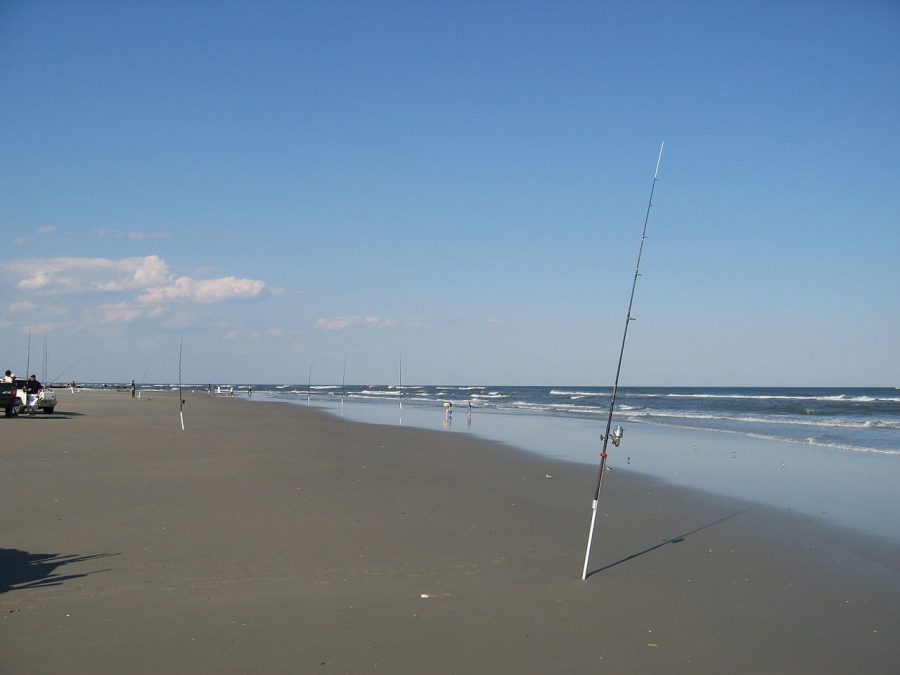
274 538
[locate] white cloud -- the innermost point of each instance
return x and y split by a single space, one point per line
89 274
148 280
24 306
126 312
107 233
61 234
204 291
344 322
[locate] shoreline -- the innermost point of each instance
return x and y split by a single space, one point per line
277 539
793 477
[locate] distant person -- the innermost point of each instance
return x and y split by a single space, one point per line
73 387
249 391
9 377
231 391
209 390
132 389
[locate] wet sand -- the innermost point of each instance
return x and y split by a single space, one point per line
271 538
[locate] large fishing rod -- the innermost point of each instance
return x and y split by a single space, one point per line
616 436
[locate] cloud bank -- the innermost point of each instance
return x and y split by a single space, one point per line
149 282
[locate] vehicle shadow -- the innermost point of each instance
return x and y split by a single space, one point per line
56 415
21 570
674 540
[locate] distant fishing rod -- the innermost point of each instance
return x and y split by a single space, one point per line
343 381
69 367
28 361
180 397
44 360
617 434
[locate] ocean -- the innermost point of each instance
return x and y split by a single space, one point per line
849 419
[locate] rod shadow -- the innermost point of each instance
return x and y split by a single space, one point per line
674 540
21 570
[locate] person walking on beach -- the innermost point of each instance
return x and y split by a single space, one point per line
132 389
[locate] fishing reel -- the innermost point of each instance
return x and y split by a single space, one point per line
616 435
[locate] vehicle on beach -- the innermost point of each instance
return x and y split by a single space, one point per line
45 400
8 398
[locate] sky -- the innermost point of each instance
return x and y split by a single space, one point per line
281 187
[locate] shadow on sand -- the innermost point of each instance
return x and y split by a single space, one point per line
57 415
674 540
20 570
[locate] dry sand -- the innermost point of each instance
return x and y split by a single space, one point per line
272 538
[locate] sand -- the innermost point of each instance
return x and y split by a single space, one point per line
271 538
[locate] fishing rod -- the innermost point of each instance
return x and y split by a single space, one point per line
343 381
616 436
180 398
44 359
28 360
69 367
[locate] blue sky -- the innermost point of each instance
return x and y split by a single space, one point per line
286 184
